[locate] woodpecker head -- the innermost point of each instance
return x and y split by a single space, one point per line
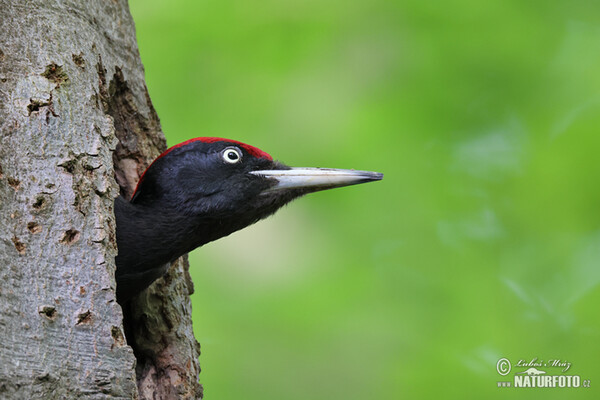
199 191
229 181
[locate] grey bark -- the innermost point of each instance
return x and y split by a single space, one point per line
75 113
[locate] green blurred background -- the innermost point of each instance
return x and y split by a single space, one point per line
482 241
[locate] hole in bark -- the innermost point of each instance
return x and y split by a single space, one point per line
47 377
69 237
69 165
47 311
20 246
14 183
35 105
1 174
1 55
34 227
78 60
117 336
144 327
84 318
55 73
40 203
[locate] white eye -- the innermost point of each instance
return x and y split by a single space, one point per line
232 155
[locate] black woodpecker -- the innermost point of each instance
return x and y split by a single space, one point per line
199 191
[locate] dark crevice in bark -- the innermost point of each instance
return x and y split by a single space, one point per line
167 365
140 137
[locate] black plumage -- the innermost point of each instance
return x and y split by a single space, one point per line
200 191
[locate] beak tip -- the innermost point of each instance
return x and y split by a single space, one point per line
367 176
377 176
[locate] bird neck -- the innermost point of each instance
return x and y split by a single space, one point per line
150 236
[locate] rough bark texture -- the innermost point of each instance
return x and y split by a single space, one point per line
72 101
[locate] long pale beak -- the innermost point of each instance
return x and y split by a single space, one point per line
315 179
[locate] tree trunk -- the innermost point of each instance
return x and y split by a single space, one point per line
75 113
